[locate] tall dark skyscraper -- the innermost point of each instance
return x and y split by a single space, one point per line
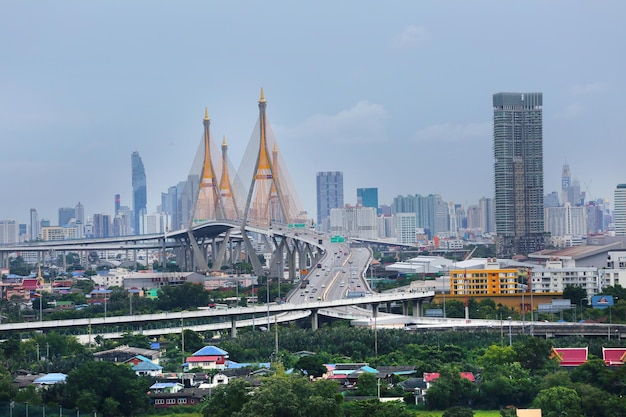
518 172
329 196
140 194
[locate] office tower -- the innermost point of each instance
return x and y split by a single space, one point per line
35 226
619 214
66 214
551 200
118 202
79 213
329 196
101 225
518 172
574 195
594 218
367 197
487 215
566 181
8 231
140 196
22 231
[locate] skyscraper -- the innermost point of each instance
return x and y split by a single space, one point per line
79 213
566 181
66 214
619 219
35 226
329 196
518 172
367 197
140 195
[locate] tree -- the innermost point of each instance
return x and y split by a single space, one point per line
311 365
367 385
278 395
226 400
576 294
114 390
458 411
374 408
449 390
558 401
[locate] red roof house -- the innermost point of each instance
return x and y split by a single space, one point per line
614 356
570 356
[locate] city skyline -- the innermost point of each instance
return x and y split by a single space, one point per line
397 97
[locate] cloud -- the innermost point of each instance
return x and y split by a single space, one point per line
412 37
591 88
451 133
362 123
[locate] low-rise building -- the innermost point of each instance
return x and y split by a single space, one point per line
554 277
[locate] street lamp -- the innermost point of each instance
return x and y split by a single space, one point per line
510 335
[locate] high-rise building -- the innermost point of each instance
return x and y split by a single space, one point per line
566 181
518 172
619 214
66 214
356 222
8 231
405 228
487 215
118 202
79 213
329 196
140 195
35 226
367 197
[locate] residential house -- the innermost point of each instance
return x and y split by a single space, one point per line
143 366
123 353
209 357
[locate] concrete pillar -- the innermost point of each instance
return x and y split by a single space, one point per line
419 308
375 309
314 319
416 307
233 326
405 308
388 307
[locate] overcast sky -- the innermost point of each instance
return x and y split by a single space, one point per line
396 94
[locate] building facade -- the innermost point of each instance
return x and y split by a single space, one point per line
140 195
518 172
367 197
554 277
329 187
619 214
405 228
357 222
492 280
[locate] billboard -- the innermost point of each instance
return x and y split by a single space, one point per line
601 301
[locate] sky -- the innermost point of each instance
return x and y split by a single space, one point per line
396 95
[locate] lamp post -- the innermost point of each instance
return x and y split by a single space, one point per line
280 275
267 287
510 334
